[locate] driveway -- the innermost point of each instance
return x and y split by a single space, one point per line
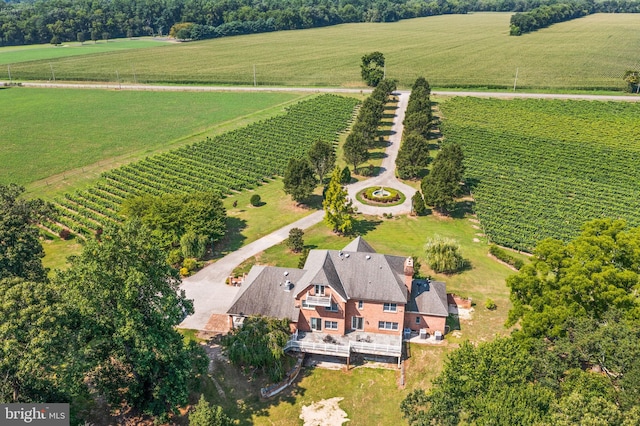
387 177
210 294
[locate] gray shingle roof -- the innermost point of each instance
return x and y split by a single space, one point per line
428 297
360 274
263 293
359 245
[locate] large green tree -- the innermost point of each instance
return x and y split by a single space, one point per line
33 342
443 255
259 342
126 301
299 180
355 150
20 250
595 272
338 211
170 216
322 157
372 68
413 156
206 415
443 184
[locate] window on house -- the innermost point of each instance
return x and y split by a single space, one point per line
319 290
417 320
390 307
316 324
357 323
331 325
305 305
387 325
333 307
360 304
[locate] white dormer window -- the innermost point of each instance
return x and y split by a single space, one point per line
319 290
360 304
390 307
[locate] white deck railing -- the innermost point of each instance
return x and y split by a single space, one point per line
319 301
344 350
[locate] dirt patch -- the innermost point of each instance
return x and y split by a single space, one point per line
461 313
475 240
322 413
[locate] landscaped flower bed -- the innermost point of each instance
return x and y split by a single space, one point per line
394 196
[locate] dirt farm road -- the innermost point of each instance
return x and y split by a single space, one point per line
177 88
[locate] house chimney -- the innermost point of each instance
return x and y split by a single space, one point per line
408 273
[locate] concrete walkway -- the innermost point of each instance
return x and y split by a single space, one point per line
387 177
207 288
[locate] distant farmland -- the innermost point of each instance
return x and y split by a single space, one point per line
471 50
50 131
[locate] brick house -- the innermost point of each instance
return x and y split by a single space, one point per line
345 301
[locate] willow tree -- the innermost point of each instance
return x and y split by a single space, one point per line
443 255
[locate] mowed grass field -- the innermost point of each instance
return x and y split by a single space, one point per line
48 134
15 54
471 50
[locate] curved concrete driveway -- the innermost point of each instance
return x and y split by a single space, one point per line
387 177
210 294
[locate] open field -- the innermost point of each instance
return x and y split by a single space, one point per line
453 50
36 52
228 163
51 131
541 168
372 397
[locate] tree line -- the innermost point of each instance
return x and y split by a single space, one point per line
58 21
101 329
573 358
549 14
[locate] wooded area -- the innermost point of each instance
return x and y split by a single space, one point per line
59 21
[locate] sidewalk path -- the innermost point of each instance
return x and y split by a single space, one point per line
387 177
207 288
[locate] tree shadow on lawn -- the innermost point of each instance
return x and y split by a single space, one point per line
377 155
364 226
463 208
233 238
453 322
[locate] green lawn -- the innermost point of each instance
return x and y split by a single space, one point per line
35 52
453 50
80 133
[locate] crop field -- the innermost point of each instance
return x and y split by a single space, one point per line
50 131
15 54
541 168
233 161
471 50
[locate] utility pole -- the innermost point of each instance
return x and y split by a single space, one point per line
254 76
515 82
53 76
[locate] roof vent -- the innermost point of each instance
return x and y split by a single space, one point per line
287 285
367 257
286 273
347 255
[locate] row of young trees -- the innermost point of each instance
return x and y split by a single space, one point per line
413 155
364 133
573 359
102 329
